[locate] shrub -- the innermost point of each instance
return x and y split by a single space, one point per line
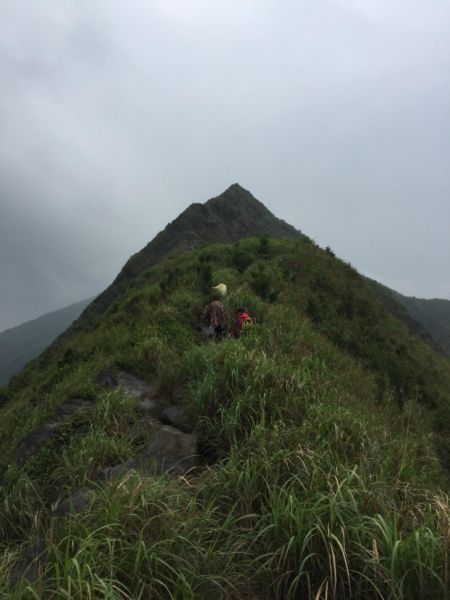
204 273
240 257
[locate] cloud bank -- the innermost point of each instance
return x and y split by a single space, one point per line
115 116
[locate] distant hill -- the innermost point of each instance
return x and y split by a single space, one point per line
429 319
21 344
433 314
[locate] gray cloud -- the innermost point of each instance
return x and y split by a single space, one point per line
115 116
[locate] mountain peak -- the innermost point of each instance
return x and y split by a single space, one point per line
236 187
233 215
235 192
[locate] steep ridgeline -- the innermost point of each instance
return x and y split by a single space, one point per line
21 344
429 319
234 215
309 458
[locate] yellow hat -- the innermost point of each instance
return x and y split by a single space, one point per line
221 289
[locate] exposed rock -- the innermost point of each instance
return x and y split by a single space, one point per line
171 451
33 560
146 393
76 503
107 378
72 406
119 470
150 405
135 386
40 436
177 417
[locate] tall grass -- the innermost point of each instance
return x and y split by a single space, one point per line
320 480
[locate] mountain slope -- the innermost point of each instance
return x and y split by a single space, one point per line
395 304
323 435
20 344
433 314
429 319
234 215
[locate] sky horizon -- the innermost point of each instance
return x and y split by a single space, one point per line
116 117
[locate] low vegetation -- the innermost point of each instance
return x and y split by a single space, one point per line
324 435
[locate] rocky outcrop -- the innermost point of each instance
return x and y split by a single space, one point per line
146 393
76 503
176 416
172 450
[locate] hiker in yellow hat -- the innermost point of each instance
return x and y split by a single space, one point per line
215 318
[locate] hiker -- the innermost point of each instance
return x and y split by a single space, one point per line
241 319
215 319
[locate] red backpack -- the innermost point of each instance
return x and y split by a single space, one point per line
242 319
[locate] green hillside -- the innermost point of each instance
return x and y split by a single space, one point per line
322 438
20 344
432 316
232 216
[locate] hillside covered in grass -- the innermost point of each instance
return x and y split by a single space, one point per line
433 315
322 434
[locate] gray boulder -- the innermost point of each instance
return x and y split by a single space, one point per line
171 451
176 417
76 503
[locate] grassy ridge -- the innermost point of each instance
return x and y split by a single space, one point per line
324 431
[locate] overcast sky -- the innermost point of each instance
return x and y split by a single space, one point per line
114 116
